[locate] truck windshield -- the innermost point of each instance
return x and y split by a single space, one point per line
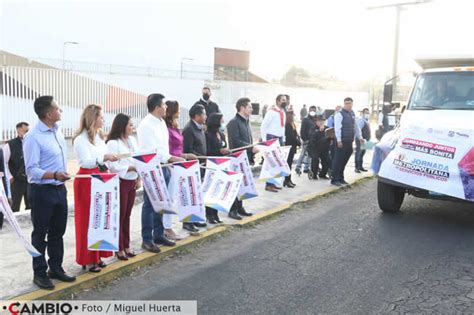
443 90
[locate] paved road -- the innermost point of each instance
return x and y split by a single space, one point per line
335 255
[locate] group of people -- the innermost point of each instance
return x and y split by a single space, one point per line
326 146
42 152
37 161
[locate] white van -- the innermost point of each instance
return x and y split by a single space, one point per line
430 154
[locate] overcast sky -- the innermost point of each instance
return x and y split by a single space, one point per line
341 37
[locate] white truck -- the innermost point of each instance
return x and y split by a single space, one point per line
430 154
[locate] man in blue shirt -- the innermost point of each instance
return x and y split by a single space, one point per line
45 163
364 126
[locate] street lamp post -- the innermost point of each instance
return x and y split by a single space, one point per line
64 52
182 60
398 7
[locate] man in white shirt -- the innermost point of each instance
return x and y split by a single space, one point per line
153 135
273 126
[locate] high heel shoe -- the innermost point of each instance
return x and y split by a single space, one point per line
130 254
121 256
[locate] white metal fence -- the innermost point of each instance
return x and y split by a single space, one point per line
20 86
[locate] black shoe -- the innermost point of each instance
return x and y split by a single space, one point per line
162 240
337 184
190 227
61 276
324 177
357 170
234 215
244 213
43 282
363 169
344 182
294 185
217 219
211 220
200 224
151 247
288 184
306 171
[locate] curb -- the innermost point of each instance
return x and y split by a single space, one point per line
117 269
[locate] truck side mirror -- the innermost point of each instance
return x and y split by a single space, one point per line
387 93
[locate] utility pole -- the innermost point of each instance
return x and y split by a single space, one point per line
399 7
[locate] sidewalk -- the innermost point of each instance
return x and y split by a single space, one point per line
16 267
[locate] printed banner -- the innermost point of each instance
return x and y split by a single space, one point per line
150 171
240 164
438 160
274 164
222 163
10 217
104 217
278 182
187 191
220 188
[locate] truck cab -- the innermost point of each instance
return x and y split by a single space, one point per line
430 153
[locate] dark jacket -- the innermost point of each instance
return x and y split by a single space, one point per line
240 134
210 107
194 139
214 145
16 164
291 136
347 126
317 139
306 125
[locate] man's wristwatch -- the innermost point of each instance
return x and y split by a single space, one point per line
54 176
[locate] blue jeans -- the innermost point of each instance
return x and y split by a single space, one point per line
152 222
359 155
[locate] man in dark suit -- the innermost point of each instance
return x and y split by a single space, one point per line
210 106
16 166
239 134
194 141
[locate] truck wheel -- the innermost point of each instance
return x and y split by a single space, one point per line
390 197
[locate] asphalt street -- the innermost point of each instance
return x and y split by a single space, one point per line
335 255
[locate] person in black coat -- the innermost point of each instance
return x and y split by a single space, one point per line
216 146
239 134
319 149
210 106
292 139
239 131
194 141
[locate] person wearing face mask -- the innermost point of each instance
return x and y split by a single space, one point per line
306 125
273 127
210 106
364 125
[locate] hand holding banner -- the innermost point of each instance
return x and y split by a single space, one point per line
104 218
150 171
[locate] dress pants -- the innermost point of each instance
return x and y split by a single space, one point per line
49 217
341 157
19 190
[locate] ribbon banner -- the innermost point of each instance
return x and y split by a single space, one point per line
104 217
219 163
8 213
187 191
274 164
150 171
220 189
240 164
278 182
